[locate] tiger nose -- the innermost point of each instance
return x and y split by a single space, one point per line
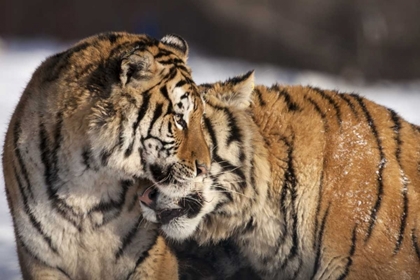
201 168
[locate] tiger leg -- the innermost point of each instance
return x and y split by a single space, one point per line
159 264
34 269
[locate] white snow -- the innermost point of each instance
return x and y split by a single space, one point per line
18 60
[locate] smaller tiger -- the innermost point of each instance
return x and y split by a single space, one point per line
308 183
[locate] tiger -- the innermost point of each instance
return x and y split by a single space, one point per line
309 183
93 122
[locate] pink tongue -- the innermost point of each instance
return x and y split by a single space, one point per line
145 196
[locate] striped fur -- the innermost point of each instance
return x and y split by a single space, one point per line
94 119
309 183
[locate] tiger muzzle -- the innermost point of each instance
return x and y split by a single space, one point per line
190 205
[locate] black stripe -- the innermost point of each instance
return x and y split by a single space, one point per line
210 129
164 92
112 204
285 187
223 163
101 80
282 91
326 128
323 117
258 93
181 83
110 36
185 72
35 223
33 255
162 53
156 115
297 270
21 163
133 203
121 131
105 155
126 240
319 111
318 207
171 75
187 77
129 149
86 156
9 199
26 248
415 243
235 133
290 183
381 165
346 99
140 115
168 61
143 44
397 128
223 190
112 208
170 131
250 226
319 243
331 101
228 167
49 158
143 256
253 180
239 79
351 253
62 271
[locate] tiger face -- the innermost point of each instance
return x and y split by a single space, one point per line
181 213
150 107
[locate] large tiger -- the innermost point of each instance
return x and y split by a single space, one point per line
309 183
94 119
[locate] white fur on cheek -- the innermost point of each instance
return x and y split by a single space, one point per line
148 214
181 228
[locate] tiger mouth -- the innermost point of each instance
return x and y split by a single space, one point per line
189 206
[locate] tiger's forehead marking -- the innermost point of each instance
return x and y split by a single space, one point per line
183 102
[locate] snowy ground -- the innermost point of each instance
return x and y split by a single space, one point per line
19 59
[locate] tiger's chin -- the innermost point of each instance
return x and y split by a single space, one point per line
178 216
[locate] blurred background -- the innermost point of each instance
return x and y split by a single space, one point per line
369 39
371 47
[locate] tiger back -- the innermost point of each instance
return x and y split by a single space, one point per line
309 183
94 119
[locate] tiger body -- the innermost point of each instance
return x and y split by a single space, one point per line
92 121
309 183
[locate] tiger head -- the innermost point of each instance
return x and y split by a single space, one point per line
231 135
145 113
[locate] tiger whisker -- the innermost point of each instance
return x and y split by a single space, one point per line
231 191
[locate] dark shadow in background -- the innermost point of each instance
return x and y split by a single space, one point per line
371 39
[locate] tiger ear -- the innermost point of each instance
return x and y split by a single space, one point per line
176 43
136 67
241 88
